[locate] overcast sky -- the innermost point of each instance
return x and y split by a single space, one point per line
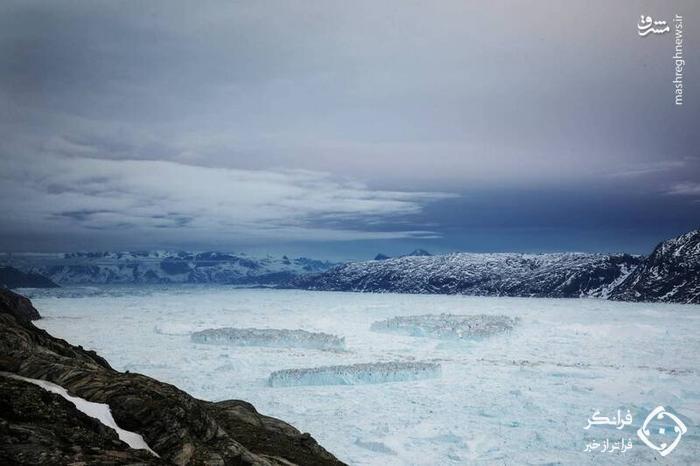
342 129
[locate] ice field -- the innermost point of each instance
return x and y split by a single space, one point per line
521 396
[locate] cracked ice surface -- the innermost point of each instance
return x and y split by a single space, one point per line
355 374
520 397
278 338
447 326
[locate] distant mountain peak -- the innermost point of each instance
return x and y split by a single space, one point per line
419 252
381 257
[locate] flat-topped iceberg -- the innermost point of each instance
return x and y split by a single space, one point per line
354 374
278 338
447 326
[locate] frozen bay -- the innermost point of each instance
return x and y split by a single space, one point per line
518 397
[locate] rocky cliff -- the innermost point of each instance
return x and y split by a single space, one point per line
38 427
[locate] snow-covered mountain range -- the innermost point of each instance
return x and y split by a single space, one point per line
501 274
163 267
670 274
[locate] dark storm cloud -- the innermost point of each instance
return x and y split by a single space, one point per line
221 122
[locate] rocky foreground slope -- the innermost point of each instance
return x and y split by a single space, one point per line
670 274
38 427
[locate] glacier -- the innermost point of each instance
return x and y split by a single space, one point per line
355 374
269 337
518 397
447 326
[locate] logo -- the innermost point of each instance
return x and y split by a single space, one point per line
648 26
656 437
663 448
607 445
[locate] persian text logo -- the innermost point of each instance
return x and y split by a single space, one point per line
657 437
678 60
608 445
644 433
648 26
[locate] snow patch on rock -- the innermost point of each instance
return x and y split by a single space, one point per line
99 411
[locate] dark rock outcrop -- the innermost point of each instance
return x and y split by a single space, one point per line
17 306
39 427
181 429
11 277
670 274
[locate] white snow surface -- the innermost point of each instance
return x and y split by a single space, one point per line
99 411
519 397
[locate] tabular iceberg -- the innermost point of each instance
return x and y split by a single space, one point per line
279 338
447 326
354 374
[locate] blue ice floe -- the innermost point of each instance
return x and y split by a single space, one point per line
355 374
278 338
447 326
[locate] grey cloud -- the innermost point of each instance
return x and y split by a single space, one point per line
353 116
688 188
142 194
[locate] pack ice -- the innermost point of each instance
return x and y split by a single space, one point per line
355 374
447 326
279 338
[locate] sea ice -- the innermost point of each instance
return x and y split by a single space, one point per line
280 338
355 374
447 326
522 397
